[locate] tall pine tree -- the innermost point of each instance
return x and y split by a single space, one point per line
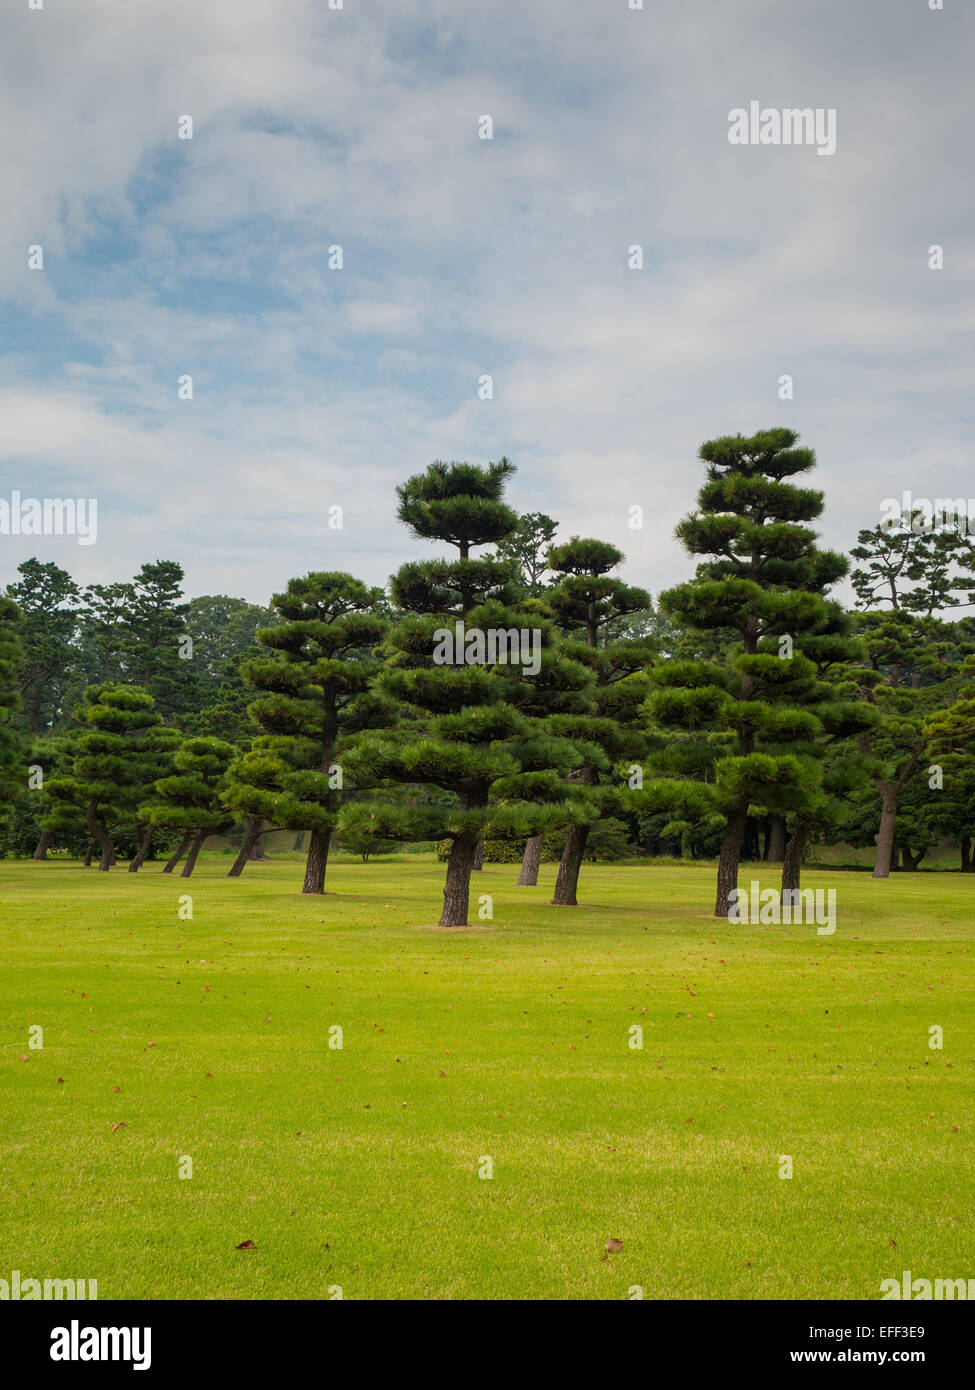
740 724
473 727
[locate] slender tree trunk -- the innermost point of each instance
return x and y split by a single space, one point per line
99 834
89 854
316 862
766 836
911 861
257 850
177 854
456 892
794 853
885 835
530 861
776 839
140 858
252 834
299 841
41 851
567 878
195 847
478 864
729 859
967 866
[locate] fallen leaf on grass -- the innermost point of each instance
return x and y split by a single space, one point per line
246 1245
119 1124
613 1246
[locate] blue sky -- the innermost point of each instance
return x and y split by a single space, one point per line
314 387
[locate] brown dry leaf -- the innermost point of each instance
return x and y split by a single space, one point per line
613 1246
246 1245
119 1124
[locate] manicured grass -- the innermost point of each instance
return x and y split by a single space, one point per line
359 1168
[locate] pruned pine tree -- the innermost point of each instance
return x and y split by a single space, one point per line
13 775
314 693
739 725
190 801
114 762
156 754
845 719
469 667
589 603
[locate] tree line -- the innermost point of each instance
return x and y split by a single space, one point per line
745 701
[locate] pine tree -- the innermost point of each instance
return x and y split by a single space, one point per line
46 596
588 602
157 653
113 763
314 693
12 772
951 746
472 726
190 801
908 661
157 750
738 726
845 720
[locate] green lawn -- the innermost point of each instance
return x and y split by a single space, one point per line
359 1168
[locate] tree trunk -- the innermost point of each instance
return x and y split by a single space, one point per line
910 860
316 862
967 866
750 847
767 836
140 858
299 841
530 861
89 854
567 878
794 853
885 835
255 828
195 847
257 848
478 857
776 839
456 891
99 834
728 860
41 851
177 854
